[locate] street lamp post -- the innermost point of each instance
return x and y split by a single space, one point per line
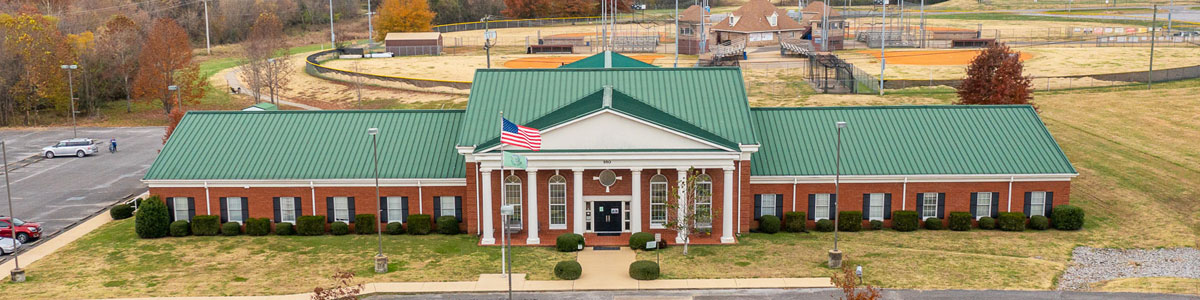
332 37
835 255
71 83
506 212
178 100
17 274
487 40
381 261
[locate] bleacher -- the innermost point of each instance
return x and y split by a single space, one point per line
635 43
796 47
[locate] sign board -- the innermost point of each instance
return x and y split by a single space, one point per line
490 35
657 236
506 210
512 160
651 245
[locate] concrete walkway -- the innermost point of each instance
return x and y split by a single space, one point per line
235 83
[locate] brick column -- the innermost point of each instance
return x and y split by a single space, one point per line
532 208
488 226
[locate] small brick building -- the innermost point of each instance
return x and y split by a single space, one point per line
615 142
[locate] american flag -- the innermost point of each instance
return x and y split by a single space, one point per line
520 136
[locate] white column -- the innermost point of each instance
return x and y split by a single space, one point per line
727 211
682 211
577 200
532 208
635 205
488 226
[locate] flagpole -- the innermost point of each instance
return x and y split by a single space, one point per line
504 226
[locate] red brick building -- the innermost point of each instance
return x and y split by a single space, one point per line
614 144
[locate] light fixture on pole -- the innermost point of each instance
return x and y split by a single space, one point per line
835 255
332 37
71 83
17 274
178 100
488 36
381 261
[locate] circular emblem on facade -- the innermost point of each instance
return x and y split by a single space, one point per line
608 178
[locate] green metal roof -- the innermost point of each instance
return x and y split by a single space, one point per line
265 106
711 99
311 145
597 61
906 140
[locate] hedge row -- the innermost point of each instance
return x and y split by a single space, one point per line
1064 217
153 221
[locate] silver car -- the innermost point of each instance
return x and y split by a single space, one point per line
76 147
7 245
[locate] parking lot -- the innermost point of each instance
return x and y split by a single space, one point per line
60 191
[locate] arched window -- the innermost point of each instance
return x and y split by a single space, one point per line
703 201
658 201
558 202
512 196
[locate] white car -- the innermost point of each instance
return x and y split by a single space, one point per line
76 147
7 246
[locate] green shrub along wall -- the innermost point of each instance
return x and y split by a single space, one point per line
637 241
447 225
121 211
987 223
768 224
960 221
258 226
1039 223
231 229
643 270
420 224
1067 217
850 221
339 228
568 242
905 220
395 228
153 220
310 225
568 270
795 221
876 225
206 225
1011 221
934 224
285 229
825 225
365 224
180 228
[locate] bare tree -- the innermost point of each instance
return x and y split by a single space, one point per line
276 75
689 207
345 288
265 58
358 81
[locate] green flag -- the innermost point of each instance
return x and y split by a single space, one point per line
515 160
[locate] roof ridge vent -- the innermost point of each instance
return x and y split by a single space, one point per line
608 89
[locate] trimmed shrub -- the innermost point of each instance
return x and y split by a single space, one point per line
285 229
568 269
206 225
934 224
395 228
906 220
1039 223
310 225
568 242
447 225
876 224
121 211
1067 217
180 228
153 220
637 241
795 221
419 224
643 270
850 220
339 228
258 226
987 223
231 229
365 224
768 224
1011 221
960 221
825 225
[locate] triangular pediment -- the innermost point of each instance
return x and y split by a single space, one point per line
610 130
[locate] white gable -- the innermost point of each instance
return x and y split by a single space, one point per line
609 130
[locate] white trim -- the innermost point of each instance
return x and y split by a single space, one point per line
611 111
1010 184
617 160
975 209
912 178
388 182
312 188
207 201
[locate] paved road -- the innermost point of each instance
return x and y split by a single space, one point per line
60 191
822 294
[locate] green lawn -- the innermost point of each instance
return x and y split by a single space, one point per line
113 262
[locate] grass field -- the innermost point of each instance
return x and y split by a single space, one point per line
113 262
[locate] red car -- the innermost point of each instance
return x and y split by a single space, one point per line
26 231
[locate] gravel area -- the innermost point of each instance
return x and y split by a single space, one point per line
1099 264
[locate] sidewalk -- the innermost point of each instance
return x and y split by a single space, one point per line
235 83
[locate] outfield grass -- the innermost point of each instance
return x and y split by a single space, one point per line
112 262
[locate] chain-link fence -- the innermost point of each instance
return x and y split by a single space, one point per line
1067 82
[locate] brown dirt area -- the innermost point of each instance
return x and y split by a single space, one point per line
556 61
1044 62
932 57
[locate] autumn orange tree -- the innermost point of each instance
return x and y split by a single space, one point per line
995 77
37 48
403 16
117 43
852 287
173 121
165 60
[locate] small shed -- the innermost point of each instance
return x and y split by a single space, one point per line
413 43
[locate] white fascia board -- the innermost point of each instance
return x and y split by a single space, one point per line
912 178
610 111
466 152
358 182
747 150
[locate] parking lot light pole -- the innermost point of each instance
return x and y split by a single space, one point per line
835 255
178 100
71 84
381 261
17 274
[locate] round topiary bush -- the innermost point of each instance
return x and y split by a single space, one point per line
258 226
637 241
395 228
850 221
795 221
1067 217
1039 223
960 221
121 211
876 225
768 224
568 242
285 229
825 225
568 270
231 229
643 270
906 220
934 224
153 220
987 223
180 228
1011 221
339 228
447 225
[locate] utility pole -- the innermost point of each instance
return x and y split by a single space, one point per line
17 275
1169 9
332 37
207 41
824 27
922 23
371 27
487 40
71 84
1153 36
883 48
677 33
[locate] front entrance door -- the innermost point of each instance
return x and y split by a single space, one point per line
608 217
